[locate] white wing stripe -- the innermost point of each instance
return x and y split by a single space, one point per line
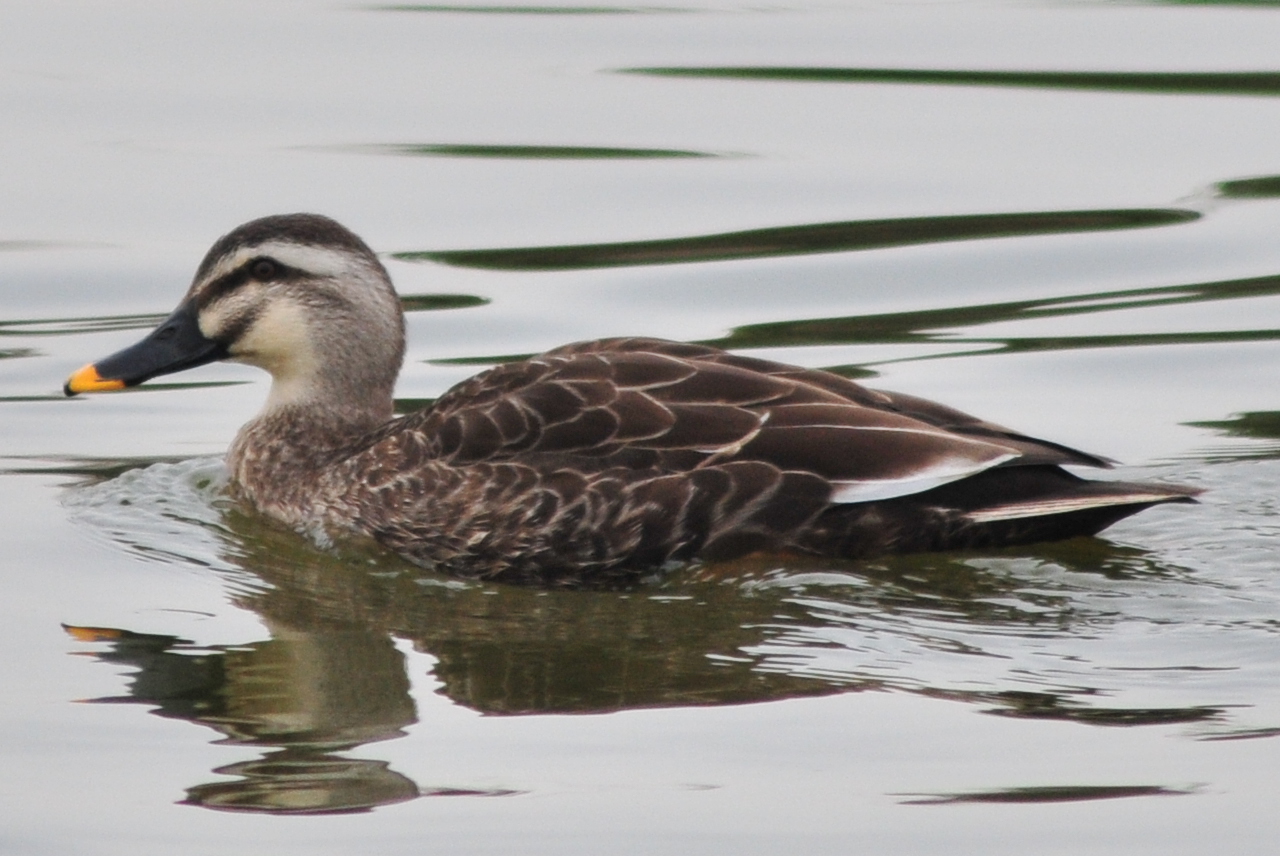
937 475
1061 506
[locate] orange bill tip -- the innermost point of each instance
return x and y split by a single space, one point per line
92 634
87 379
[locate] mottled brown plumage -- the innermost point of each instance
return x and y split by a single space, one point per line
603 457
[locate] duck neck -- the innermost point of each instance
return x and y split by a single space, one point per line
279 459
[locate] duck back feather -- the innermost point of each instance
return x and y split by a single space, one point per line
616 455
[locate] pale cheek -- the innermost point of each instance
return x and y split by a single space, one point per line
212 321
224 314
277 342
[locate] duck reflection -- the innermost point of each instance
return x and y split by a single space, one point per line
504 649
311 693
330 678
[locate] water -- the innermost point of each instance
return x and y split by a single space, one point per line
1060 217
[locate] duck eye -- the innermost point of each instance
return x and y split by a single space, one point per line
264 269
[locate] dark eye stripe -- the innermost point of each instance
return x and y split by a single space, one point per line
250 270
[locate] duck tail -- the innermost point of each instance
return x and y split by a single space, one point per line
1003 506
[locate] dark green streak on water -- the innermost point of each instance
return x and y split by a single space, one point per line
1050 794
1025 705
1255 3
133 390
1244 734
1262 427
1167 82
72 326
435 302
1257 425
466 150
930 325
534 10
106 323
1262 187
174 385
933 326
490 360
800 240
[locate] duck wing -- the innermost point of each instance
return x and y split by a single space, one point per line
628 453
674 407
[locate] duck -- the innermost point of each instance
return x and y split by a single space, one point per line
596 459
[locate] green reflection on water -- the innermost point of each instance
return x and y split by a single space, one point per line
532 10
433 302
938 326
460 150
1026 705
1258 425
1215 2
1261 187
1048 794
108 323
1165 82
804 239
932 325
482 360
73 326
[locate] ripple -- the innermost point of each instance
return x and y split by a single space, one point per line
164 512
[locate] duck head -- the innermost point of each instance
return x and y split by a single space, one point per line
298 295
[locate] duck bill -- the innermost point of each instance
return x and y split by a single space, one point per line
175 345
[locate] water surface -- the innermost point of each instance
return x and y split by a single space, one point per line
1059 217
